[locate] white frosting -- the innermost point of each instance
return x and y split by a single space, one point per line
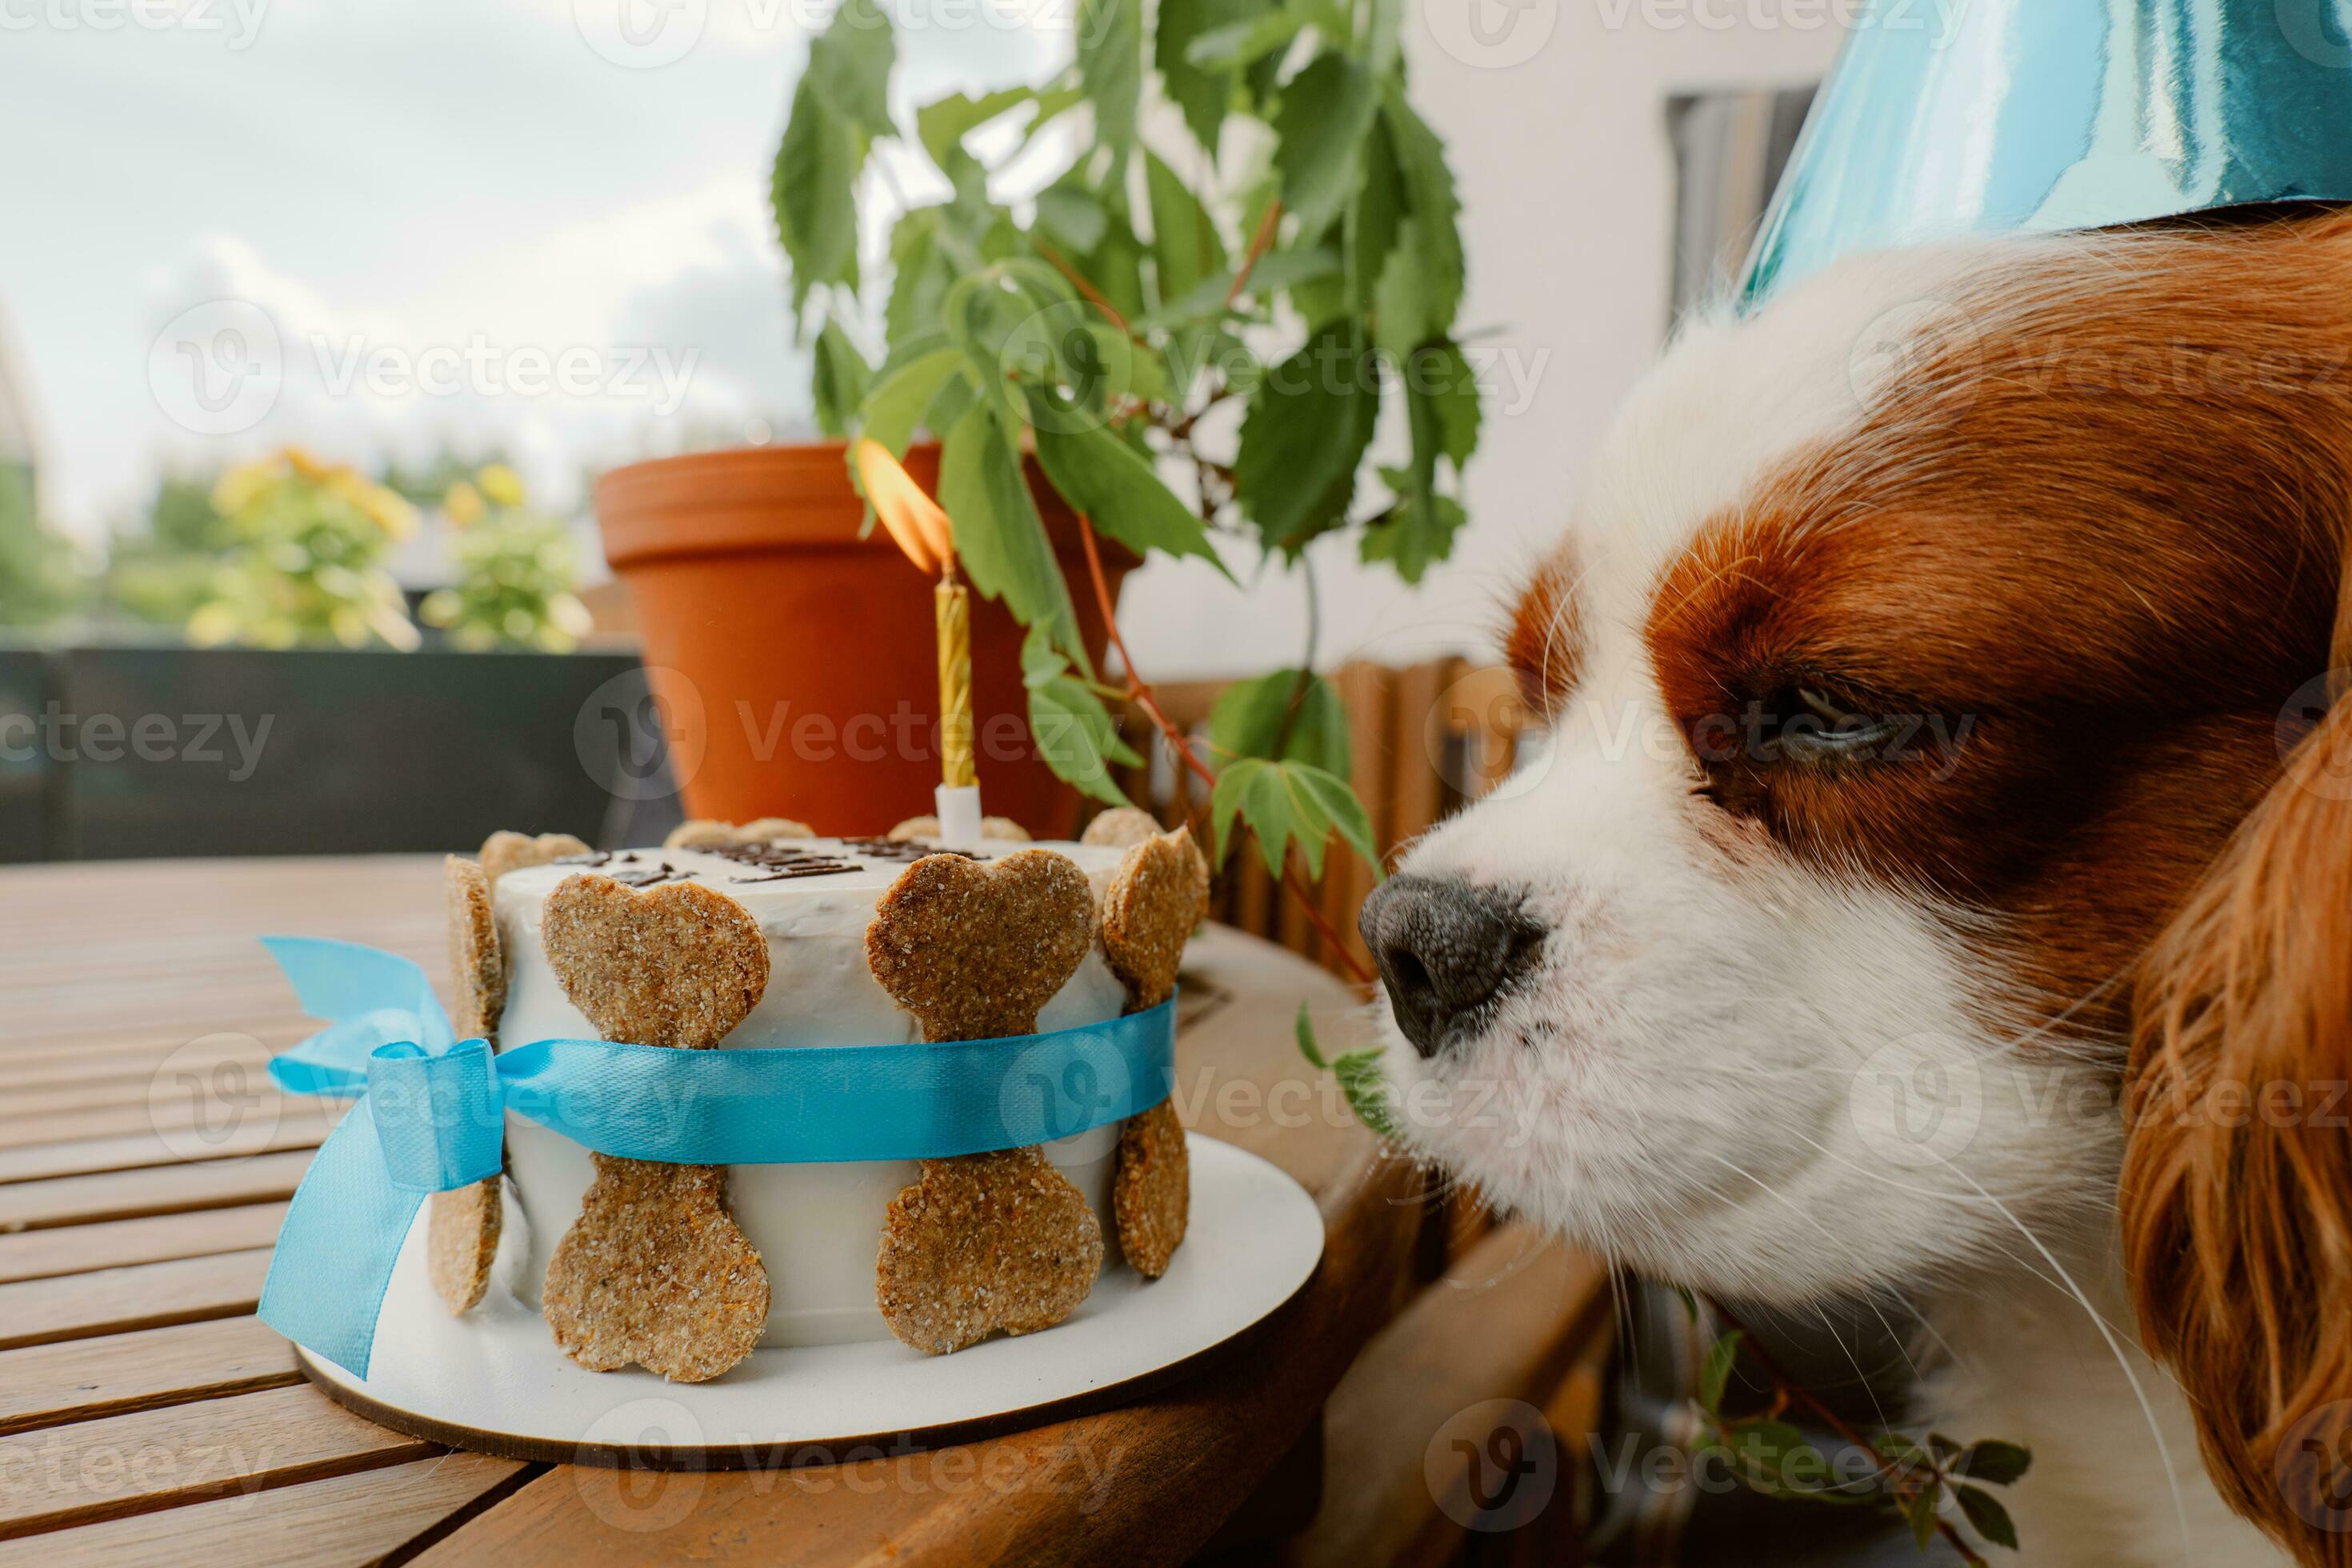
817 1226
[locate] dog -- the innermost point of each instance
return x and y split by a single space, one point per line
1939 879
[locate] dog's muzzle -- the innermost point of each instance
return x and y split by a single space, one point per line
1446 949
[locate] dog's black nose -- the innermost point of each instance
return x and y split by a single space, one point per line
1444 948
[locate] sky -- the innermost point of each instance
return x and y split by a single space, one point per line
539 225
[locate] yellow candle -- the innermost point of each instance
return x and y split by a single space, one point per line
953 605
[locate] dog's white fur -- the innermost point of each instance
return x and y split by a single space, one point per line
1748 1076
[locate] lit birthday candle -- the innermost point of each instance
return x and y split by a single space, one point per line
920 530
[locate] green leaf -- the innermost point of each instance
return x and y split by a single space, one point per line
1382 41
1274 272
814 192
1715 1371
1281 803
1986 1516
1075 214
1185 245
1368 1092
894 409
1248 719
1374 213
1325 119
839 380
1689 1301
1104 480
1110 68
1078 737
1308 423
1434 252
922 275
1233 45
1421 532
1920 1507
1304 1030
1994 1461
1202 95
849 63
999 537
941 126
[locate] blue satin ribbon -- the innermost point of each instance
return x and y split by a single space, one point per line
431 1113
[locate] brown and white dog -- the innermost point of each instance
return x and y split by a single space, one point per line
1940 882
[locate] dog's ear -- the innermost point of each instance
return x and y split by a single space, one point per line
2237 1182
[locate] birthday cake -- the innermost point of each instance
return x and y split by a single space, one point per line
764 935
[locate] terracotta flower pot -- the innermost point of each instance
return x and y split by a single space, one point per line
794 664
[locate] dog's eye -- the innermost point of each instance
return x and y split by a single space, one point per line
1813 724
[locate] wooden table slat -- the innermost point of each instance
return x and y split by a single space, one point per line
140 1296
39 1254
359 1518
155 1458
167 1115
48 1385
164 1189
139 1151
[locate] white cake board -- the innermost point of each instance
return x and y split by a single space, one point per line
493 1380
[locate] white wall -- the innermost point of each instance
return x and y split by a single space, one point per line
1557 132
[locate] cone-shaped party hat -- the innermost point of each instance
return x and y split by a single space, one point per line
1953 117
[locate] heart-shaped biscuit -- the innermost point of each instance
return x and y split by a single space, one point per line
1160 892
1120 826
503 852
676 964
996 829
463 1229
985 1242
657 1272
973 949
1152 1194
700 833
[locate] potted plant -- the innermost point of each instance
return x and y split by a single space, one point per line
1190 332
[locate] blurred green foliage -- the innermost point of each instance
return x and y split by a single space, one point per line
516 569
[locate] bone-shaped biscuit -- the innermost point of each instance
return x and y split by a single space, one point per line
1120 828
1160 892
462 1229
655 1271
996 829
700 833
985 1242
503 852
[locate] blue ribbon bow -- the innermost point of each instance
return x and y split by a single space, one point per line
431 1112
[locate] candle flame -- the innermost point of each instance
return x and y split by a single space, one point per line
916 524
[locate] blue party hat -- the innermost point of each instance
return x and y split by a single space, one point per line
1946 118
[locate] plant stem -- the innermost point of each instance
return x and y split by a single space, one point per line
1093 296
1305 679
1260 243
1784 1386
1142 696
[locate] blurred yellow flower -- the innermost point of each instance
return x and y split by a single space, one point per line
501 484
462 505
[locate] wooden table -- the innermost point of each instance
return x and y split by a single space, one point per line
145 1414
